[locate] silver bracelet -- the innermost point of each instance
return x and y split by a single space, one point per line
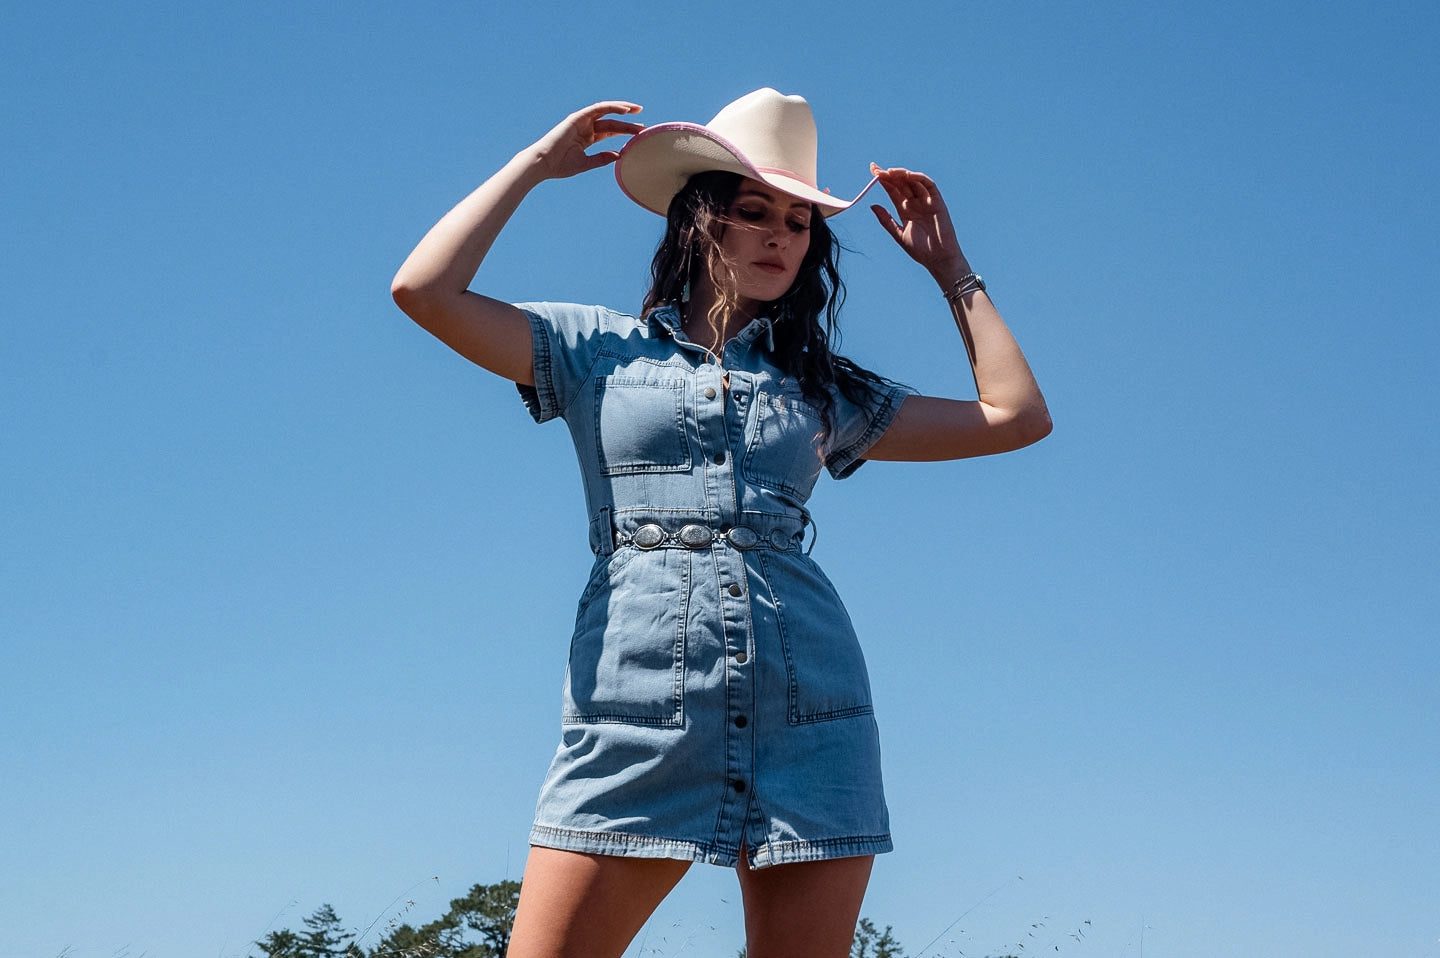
968 283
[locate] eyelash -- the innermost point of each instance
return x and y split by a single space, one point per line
755 216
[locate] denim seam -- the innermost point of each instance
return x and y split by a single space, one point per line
719 853
782 852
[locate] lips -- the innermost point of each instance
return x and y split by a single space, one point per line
774 267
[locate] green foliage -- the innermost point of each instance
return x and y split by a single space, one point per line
872 943
488 911
409 942
324 937
476 926
280 944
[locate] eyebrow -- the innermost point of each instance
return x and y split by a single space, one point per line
751 191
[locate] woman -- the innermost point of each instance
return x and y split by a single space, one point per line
716 705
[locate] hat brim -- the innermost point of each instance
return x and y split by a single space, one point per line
656 163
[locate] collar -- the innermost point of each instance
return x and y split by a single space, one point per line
755 328
668 318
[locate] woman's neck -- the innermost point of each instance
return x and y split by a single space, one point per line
696 318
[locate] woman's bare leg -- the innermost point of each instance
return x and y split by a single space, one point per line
804 910
587 906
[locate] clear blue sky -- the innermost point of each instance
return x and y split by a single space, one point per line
286 587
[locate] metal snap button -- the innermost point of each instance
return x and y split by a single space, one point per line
695 536
709 392
735 591
648 536
741 658
742 538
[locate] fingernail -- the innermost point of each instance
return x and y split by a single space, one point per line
874 170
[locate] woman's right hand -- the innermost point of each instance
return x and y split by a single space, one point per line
561 152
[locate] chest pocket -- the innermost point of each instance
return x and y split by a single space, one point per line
640 425
785 451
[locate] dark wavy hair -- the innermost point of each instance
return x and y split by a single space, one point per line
804 321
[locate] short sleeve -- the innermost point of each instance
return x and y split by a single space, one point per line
854 427
565 340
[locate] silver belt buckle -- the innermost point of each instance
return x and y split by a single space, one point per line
694 536
648 536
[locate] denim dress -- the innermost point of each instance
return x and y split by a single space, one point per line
716 702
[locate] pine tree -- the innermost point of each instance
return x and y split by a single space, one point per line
280 944
326 938
869 942
489 910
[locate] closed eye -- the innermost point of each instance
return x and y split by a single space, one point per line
752 215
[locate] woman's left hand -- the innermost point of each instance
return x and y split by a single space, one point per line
923 229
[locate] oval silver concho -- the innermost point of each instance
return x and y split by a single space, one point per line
695 536
743 538
648 536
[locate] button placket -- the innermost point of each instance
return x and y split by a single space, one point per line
740 699
714 438
709 412
717 405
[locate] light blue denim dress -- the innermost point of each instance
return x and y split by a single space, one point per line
716 698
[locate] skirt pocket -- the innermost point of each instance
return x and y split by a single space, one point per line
627 654
824 665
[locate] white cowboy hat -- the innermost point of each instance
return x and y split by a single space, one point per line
764 135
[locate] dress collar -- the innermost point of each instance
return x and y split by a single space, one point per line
668 317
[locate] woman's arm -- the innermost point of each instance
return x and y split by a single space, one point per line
1011 411
432 286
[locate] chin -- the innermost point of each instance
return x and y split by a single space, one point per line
767 293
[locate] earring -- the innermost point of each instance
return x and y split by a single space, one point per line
685 269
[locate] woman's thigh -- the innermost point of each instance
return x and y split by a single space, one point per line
804 910
574 905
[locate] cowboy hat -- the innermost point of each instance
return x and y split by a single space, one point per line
764 135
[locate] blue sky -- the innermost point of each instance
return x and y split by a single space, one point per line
285 587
